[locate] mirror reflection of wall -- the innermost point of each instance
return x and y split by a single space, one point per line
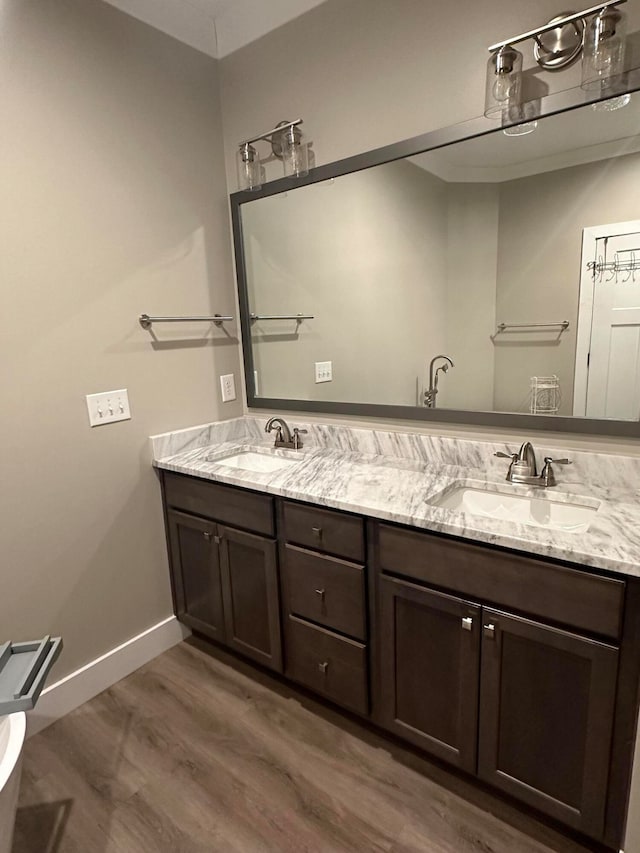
426 256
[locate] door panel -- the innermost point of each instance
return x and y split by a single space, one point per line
250 591
546 717
430 662
196 572
607 375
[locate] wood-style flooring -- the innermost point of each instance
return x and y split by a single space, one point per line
188 755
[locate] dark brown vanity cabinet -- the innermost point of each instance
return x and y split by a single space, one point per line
527 706
197 579
429 646
225 579
325 603
547 702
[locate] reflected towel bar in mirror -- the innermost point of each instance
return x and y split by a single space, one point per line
564 325
297 317
146 321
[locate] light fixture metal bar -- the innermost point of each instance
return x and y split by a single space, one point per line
283 127
554 25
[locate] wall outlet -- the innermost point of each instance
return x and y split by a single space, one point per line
108 407
324 371
228 386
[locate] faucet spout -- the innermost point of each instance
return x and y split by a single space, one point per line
527 459
430 395
283 433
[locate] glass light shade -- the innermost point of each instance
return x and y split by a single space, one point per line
521 129
611 104
504 82
295 153
603 54
249 168
525 116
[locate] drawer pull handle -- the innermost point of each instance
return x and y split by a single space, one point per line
317 531
323 667
467 623
320 592
490 631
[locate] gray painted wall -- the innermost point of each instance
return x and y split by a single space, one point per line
113 203
365 254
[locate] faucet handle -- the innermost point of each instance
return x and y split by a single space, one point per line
297 443
512 456
547 477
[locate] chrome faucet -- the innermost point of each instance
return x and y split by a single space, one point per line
430 395
284 438
524 469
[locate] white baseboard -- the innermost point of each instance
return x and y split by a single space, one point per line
99 674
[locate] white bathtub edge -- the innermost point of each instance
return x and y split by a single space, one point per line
99 674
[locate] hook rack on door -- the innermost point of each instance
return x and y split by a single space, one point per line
624 261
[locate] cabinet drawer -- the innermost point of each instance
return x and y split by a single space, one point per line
227 504
328 664
553 592
325 530
326 590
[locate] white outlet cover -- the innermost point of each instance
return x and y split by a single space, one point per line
108 407
323 371
228 387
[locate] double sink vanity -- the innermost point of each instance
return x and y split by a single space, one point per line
493 625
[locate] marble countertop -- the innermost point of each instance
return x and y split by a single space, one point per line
399 487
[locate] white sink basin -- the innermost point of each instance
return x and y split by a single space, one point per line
260 463
571 515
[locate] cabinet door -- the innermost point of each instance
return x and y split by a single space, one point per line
546 714
429 650
251 599
195 566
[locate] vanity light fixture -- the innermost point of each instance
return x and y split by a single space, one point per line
597 33
287 144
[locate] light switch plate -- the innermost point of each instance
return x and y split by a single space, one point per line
108 407
228 386
324 371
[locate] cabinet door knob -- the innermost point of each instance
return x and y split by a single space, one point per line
489 631
217 539
317 531
467 623
323 667
320 592
207 536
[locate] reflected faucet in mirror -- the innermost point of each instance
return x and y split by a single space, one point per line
430 395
